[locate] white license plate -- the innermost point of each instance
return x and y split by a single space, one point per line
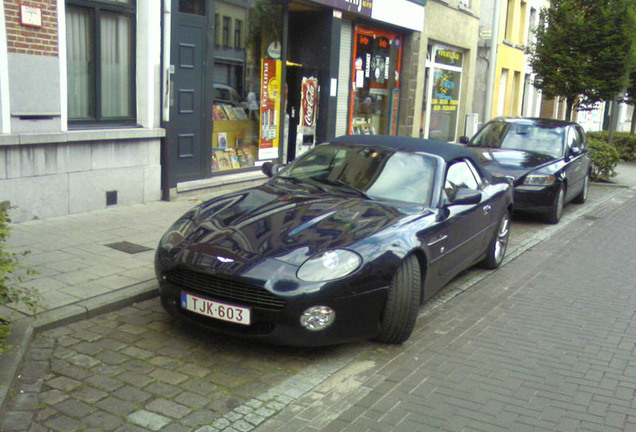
215 309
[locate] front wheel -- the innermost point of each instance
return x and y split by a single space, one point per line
498 245
554 215
402 303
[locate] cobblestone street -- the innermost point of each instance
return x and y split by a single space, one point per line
136 369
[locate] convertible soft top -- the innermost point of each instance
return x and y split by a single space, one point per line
448 152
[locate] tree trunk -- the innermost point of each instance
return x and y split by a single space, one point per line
632 129
569 103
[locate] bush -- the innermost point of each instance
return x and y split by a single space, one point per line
12 273
624 142
604 159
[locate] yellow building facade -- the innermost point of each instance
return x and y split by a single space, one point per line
511 60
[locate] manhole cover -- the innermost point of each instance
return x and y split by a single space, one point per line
130 248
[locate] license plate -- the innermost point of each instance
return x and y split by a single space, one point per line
215 309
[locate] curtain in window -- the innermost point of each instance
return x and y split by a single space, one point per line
79 62
116 64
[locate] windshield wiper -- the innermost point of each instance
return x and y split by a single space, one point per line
343 185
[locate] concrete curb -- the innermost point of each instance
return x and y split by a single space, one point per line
24 329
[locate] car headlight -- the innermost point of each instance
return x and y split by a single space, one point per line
539 180
329 265
177 232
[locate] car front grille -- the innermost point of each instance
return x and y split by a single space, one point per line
225 289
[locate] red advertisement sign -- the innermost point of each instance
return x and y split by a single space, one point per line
308 102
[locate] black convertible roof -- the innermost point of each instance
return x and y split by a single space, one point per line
448 152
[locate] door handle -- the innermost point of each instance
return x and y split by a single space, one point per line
487 209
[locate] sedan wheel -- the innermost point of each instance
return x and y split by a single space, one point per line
402 303
582 196
497 247
554 216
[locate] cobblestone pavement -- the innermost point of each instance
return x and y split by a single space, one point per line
137 369
546 343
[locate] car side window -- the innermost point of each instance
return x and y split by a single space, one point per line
459 175
573 140
581 133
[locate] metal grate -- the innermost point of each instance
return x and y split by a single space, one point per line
225 289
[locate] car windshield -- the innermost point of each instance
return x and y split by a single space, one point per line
368 171
527 137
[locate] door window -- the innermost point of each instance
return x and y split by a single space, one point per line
459 175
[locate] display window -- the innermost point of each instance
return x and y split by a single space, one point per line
375 94
247 97
441 101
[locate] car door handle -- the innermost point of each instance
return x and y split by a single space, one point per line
486 209
437 240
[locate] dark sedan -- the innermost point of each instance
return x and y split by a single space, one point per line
344 243
547 160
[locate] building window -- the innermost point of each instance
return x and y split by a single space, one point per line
522 29
227 22
100 61
238 34
217 29
443 90
375 95
509 20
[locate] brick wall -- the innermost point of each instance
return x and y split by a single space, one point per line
23 39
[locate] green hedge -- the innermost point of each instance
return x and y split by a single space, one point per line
604 159
624 142
12 273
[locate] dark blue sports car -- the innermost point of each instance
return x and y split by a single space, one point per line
344 243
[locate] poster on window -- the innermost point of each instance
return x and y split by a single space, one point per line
270 108
444 104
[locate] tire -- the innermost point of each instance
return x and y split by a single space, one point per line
582 196
402 303
497 247
554 215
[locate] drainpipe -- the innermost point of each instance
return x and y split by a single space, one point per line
492 61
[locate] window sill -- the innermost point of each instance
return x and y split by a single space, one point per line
83 135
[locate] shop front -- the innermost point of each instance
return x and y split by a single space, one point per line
279 83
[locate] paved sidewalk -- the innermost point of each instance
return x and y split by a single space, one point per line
80 275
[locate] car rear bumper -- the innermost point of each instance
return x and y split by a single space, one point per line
536 199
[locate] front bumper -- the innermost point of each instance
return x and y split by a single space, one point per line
357 317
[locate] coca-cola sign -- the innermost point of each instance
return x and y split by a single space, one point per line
308 101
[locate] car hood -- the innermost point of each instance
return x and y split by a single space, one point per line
288 225
511 163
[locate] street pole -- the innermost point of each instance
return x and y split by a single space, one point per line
492 61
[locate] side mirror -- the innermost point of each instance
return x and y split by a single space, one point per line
465 196
464 140
270 168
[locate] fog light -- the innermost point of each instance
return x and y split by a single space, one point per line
317 318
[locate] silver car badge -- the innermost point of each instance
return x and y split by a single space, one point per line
224 259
